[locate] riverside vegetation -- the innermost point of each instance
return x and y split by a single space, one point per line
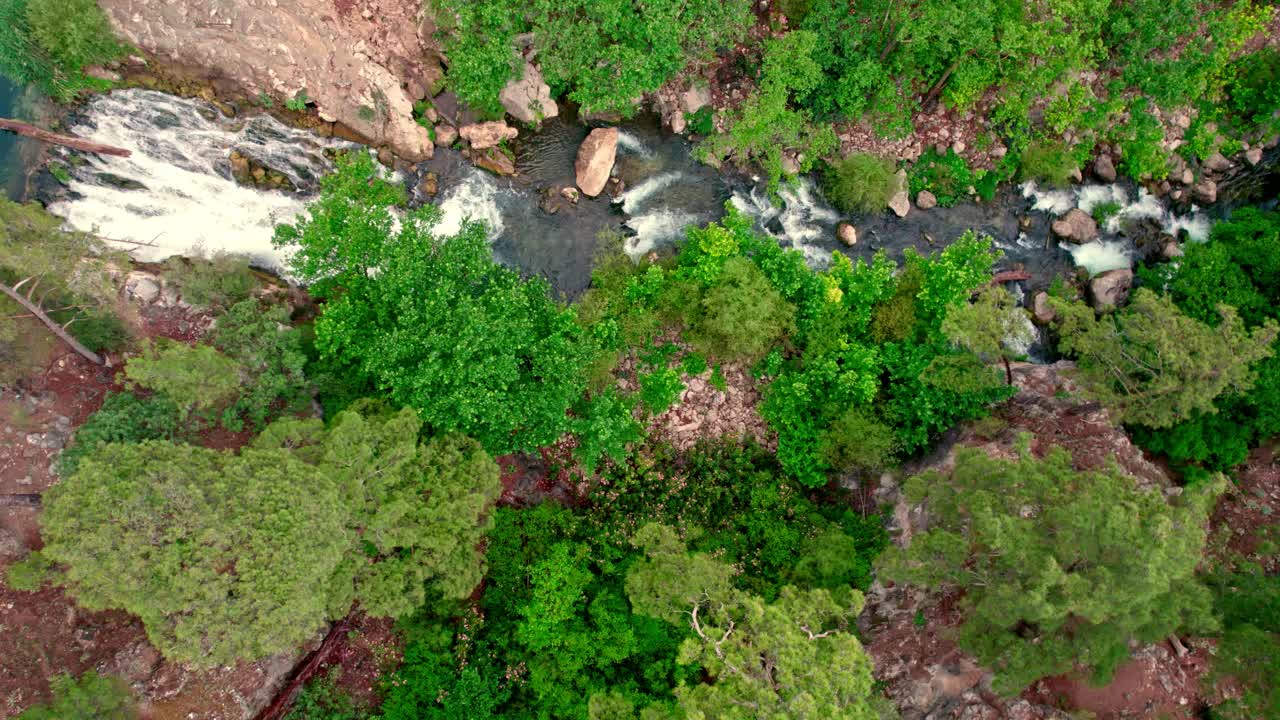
681 583
721 580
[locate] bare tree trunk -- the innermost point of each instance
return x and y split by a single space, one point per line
54 327
1008 370
32 131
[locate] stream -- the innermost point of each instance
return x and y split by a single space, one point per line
176 195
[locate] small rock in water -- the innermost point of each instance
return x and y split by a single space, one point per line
1187 177
595 160
926 200
429 184
495 161
847 234
570 194
446 134
385 156
1217 163
1076 226
1206 191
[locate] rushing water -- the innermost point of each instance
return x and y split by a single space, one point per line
176 195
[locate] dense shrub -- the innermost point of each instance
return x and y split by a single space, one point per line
1044 590
947 176
861 183
216 282
48 43
123 418
88 697
197 378
742 315
1048 163
271 358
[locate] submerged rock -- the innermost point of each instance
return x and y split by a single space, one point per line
495 161
595 160
1104 168
847 234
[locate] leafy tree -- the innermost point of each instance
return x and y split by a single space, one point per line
793 657
48 43
435 322
992 326
1155 365
742 315
322 699
271 358
420 510
196 377
222 556
605 428
1059 567
766 124
604 54
88 697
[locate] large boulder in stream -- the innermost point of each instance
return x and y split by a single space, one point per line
595 160
1076 226
528 99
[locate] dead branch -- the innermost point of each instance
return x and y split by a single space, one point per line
53 326
70 141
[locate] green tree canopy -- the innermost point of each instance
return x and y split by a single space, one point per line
1059 567
88 697
435 321
222 556
196 377
794 657
1154 365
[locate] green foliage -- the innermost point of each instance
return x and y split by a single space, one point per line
322 699
605 428
1059 567
947 176
1047 162
1248 601
30 573
271 359
88 697
766 125
605 55
659 389
48 43
123 418
1104 211
742 315
701 122
861 183
222 556
440 327
1141 156
992 326
195 377
857 440
298 102
1253 90
792 657
1156 366
216 282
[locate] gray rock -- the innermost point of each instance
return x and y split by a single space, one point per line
900 203
1110 289
142 287
529 98
926 200
695 98
1253 156
11 546
1205 191
1217 163
1076 226
487 134
1104 168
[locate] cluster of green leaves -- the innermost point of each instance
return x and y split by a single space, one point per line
323 699
197 378
434 322
604 55
215 283
123 418
1060 568
945 175
767 124
88 697
48 43
271 358
576 622
1238 268
230 556
1248 601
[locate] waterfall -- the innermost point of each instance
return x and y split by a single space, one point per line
803 218
628 142
175 194
475 198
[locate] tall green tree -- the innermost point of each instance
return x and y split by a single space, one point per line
991 326
1060 568
433 321
794 657
1154 365
222 556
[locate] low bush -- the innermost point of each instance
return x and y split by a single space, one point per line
861 183
946 175
123 418
198 378
1048 163
217 282
88 697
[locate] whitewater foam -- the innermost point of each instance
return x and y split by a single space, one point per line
634 199
476 199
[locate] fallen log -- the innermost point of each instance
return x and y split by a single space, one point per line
285 697
20 500
66 337
70 141
1005 276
